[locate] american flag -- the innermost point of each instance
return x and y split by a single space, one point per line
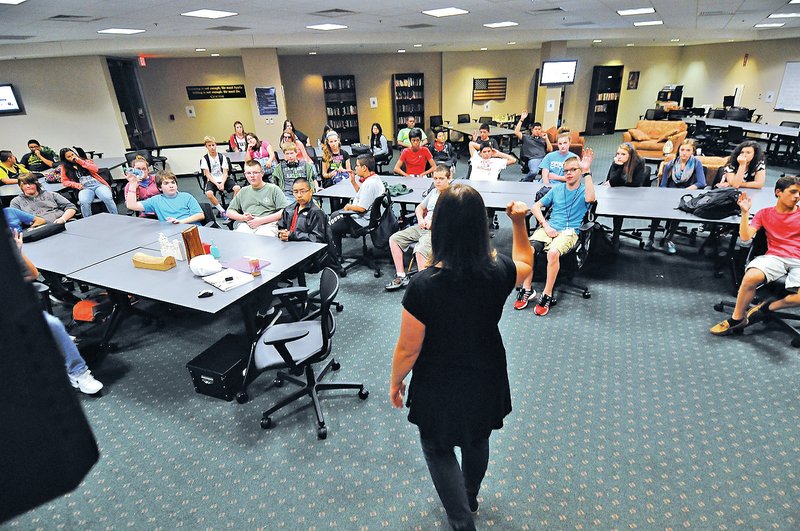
493 88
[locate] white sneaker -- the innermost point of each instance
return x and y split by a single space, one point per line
86 383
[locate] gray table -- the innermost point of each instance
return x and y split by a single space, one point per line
135 231
110 162
748 127
65 253
471 127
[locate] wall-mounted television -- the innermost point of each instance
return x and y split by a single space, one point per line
558 72
10 103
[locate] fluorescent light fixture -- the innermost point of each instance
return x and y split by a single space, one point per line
629 44
417 46
484 49
11 2
326 27
784 15
209 13
648 23
214 55
312 53
506 24
511 43
199 49
401 50
445 12
598 40
637 11
795 2
770 25
674 40
121 31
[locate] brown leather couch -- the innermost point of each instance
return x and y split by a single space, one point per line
649 136
576 141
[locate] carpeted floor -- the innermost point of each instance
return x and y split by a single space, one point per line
627 414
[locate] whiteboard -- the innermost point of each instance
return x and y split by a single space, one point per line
789 94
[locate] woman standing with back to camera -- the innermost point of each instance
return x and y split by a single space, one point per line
459 391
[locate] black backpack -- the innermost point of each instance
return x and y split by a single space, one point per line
719 203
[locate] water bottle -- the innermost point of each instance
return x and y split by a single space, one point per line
214 250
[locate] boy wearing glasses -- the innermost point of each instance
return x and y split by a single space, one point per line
291 169
419 234
257 207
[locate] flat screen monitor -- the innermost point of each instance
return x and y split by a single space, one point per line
688 102
558 72
728 101
10 103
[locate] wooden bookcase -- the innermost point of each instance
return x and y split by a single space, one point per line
340 106
408 95
601 118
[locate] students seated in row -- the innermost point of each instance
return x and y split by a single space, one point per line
368 187
39 157
746 167
216 168
487 162
10 169
482 135
142 182
569 201
627 169
782 226
442 151
170 205
552 165
416 160
533 146
257 207
291 168
335 160
403 137
686 172
419 234
82 175
50 206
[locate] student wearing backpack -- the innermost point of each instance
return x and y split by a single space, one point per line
216 167
782 226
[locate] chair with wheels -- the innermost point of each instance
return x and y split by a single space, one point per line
381 207
383 160
296 347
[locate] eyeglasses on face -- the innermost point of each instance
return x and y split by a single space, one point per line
253 173
301 192
571 170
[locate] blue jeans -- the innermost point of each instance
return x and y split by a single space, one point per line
457 484
533 169
72 358
91 189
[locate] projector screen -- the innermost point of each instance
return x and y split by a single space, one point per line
558 72
9 102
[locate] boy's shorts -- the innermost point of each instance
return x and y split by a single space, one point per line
775 267
411 235
562 243
212 187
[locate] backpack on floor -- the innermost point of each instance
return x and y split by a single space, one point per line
715 204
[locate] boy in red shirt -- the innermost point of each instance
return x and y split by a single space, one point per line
782 226
416 158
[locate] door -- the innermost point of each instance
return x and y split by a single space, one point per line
135 115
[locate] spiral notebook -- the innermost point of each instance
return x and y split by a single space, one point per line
227 279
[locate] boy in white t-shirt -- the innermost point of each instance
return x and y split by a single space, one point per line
216 168
487 162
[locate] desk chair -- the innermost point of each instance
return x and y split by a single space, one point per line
738 114
380 213
87 154
777 289
732 138
633 234
436 123
717 113
223 196
152 160
383 160
297 346
210 219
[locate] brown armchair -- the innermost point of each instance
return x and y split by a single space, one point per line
576 141
650 136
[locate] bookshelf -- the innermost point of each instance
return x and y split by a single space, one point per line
340 106
601 118
408 95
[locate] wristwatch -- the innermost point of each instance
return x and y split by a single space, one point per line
587 173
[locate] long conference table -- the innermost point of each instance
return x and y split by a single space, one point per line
98 250
747 127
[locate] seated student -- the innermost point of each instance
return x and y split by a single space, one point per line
289 137
51 206
260 150
442 150
745 168
292 168
420 233
569 202
9 169
257 206
482 135
415 158
378 143
782 226
146 186
552 165
39 158
403 138
368 187
534 146
686 172
486 162
79 375
82 175
627 169
215 168
287 124
171 205
335 160
237 141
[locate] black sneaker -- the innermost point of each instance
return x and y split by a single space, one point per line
397 282
473 505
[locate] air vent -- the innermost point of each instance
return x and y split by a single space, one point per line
417 26
227 28
333 13
576 24
75 18
547 11
714 13
14 37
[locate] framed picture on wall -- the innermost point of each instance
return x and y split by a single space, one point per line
633 80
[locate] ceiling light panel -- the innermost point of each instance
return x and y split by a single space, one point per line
121 31
506 24
445 12
784 15
326 27
770 25
648 23
636 11
11 2
209 13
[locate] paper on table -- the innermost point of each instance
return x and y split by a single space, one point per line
242 263
220 280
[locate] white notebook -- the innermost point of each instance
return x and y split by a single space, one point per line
228 279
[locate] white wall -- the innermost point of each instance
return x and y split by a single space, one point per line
68 101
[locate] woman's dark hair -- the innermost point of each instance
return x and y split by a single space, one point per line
758 155
375 140
247 144
459 232
70 168
289 123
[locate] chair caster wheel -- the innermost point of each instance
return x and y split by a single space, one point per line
335 366
278 382
363 394
719 307
266 423
322 433
242 398
587 295
796 343
339 307
378 274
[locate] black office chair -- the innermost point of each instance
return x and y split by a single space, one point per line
210 217
464 119
384 160
738 114
717 113
152 160
87 154
777 289
436 123
381 207
700 133
655 114
486 120
296 347
734 136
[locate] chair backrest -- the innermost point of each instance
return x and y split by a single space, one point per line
717 113
735 134
80 151
737 114
464 119
209 219
130 156
650 114
485 119
699 126
436 121
328 289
